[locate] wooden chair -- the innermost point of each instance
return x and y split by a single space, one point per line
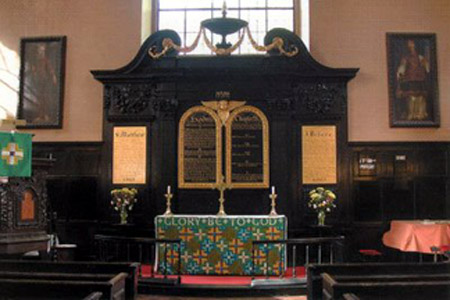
440 251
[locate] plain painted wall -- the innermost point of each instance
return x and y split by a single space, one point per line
101 34
105 34
352 33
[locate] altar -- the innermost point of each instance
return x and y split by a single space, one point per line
221 245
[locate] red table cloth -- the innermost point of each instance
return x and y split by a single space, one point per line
417 236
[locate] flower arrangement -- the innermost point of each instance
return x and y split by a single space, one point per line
123 200
322 201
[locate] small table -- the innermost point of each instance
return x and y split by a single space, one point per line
417 235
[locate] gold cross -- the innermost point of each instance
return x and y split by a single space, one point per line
221 187
168 196
273 197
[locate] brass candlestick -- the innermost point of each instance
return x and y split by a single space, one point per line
273 197
168 196
221 187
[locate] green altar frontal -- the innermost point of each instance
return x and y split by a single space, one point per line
221 245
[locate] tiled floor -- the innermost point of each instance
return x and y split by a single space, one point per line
153 297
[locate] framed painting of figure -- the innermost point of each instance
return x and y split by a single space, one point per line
42 81
413 83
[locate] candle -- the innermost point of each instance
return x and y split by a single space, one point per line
273 189
168 189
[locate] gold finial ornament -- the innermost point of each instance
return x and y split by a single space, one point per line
221 187
168 196
273 197
224 9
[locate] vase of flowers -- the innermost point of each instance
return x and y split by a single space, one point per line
123 200
322 201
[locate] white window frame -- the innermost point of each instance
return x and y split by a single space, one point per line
149 19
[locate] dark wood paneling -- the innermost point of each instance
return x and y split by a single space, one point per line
71 158
419 192
73 182
410 181
73 191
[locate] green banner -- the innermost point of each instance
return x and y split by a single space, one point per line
212 245
15 151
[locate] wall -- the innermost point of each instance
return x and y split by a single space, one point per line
105 34
352 33
101 34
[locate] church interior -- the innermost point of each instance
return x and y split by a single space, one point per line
249 149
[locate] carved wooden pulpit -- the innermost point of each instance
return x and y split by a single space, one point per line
23 211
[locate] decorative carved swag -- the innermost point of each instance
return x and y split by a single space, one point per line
136 101
145 101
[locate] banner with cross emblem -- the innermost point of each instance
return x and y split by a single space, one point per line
15 151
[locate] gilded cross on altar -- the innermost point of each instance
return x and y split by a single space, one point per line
168 196
221 187
273 197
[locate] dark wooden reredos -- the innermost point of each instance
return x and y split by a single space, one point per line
292 92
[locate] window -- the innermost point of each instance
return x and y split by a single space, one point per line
185 16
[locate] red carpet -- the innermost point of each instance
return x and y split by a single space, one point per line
219 280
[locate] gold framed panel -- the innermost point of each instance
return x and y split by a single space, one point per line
181 135
319 154
129 155
265 129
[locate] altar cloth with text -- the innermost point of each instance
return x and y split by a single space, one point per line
221 245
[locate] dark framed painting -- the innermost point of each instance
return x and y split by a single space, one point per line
413 82
42 66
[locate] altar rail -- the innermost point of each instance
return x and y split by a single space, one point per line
140 249
119 248
323 246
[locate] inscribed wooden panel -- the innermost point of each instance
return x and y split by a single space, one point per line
319 154
129 155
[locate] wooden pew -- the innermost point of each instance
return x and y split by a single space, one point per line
93 296
314 271
56 276
132 270
350 296
386 287
33 288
